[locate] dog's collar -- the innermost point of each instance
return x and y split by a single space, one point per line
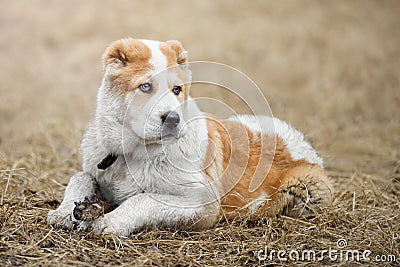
107 161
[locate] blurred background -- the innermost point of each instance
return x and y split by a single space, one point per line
331 68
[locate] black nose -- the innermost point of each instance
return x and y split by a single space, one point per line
170 119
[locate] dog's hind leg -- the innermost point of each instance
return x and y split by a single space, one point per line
81 185
306 191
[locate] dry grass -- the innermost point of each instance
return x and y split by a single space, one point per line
330 68
366 214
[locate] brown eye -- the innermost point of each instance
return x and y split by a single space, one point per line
177 89
146 87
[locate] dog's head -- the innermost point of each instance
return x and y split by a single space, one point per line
151 78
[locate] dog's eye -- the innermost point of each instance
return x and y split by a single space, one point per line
177 89
145 87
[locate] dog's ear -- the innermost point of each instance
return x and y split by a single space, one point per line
115 53
181 54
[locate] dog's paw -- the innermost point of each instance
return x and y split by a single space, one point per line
87 210
305 201
106 225
61 219
91 208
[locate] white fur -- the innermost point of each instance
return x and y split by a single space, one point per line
158 59
295 142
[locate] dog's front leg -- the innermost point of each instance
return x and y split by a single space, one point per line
152 210
80 186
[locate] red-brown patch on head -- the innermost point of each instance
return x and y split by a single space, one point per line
176 55
179 51
172 57
128 60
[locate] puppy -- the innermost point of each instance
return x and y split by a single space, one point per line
152 153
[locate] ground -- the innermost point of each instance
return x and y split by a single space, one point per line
332 69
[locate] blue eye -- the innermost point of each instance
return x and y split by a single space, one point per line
146 87
177 89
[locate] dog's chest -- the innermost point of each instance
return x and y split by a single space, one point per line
128 177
